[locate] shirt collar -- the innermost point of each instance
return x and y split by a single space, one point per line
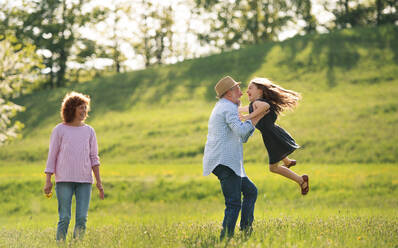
227 101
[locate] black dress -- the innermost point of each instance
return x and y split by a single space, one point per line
278 142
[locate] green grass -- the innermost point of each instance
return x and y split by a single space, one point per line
151 127
348 79
351 205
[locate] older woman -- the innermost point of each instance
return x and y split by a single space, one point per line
73 154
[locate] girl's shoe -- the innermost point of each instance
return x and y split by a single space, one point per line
305 190
292 163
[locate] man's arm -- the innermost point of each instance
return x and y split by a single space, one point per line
242 129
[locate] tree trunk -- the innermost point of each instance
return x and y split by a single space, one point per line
62 53
379 9
256 22
51 82
62 68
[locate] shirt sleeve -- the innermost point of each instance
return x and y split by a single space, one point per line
55 143
94 149
242 129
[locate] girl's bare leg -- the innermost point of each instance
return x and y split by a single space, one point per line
281 170
286 161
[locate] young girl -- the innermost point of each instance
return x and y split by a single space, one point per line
267 100
73 154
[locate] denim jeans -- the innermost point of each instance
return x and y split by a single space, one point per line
232 187
65 191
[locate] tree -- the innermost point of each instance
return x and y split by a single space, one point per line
352 13
386 11
244 22
155 35
120 12
19 65
303 12
52 25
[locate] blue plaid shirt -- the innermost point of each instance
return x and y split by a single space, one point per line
226 133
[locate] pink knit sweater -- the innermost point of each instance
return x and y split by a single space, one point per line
72 154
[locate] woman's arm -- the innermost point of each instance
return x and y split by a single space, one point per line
98 179
55 144
95 164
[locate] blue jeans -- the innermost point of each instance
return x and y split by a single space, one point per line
232 187
65 191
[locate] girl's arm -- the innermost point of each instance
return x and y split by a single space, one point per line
98 179
259 108
243 109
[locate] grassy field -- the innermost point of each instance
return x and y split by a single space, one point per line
348 79
351 205
151 127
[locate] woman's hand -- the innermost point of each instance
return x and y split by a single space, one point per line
101 191
47 187
98 179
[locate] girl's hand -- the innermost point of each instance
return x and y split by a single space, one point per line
101 191
47 187
243 117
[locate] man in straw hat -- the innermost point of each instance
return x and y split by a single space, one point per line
223 156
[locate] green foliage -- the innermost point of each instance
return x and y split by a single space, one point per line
349 13
155 33
53 27
19 66
245 22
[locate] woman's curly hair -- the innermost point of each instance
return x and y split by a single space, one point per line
69 104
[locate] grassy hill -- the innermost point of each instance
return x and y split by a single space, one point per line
348 79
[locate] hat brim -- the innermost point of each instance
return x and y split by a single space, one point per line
219 96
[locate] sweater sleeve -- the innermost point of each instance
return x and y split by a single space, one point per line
55 143
94 149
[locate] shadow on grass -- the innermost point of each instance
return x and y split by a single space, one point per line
326 50
337 50
107 94
240 65
122 91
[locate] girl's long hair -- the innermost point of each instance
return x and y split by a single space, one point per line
279 98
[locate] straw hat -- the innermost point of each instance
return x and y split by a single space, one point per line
225 84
